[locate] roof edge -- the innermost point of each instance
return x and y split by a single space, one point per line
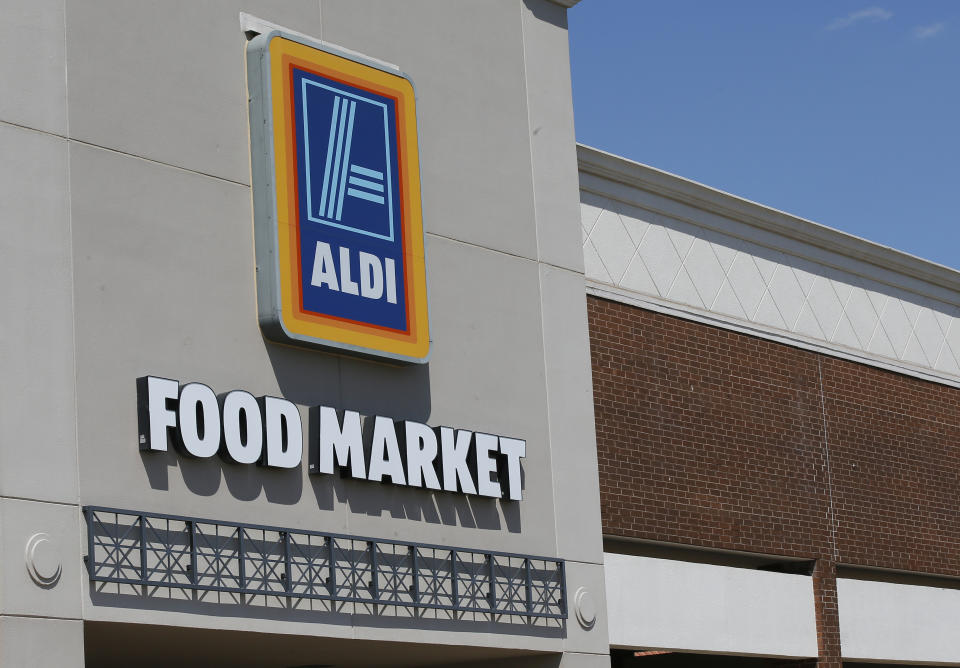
643 177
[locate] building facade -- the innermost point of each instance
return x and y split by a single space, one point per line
695 431
776 415
130 253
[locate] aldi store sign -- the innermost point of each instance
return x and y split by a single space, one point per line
339 234
268 431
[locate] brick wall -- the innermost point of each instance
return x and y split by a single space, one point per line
713 438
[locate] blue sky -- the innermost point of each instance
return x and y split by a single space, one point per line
846 113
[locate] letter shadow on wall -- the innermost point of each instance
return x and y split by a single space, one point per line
311 378
398 502
471 512
203 477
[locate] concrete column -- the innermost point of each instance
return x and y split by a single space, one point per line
39 641
40 577
40 559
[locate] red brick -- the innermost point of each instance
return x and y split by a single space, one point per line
712 438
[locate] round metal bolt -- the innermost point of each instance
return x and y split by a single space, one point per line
585 607
43 559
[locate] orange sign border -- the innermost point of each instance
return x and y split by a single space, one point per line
284 316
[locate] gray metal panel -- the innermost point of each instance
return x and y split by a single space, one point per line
33 65
166 81
552 141
38 641
38 400
24 593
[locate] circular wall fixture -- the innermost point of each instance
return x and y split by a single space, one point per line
585 607
43 559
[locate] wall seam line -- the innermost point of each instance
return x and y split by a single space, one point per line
74 140
826 455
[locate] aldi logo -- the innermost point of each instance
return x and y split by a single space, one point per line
339 234
370 187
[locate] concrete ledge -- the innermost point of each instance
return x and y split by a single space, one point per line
677 605
610 167
883 621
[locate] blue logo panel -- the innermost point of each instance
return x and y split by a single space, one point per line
350 233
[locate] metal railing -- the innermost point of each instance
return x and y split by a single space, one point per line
155 550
